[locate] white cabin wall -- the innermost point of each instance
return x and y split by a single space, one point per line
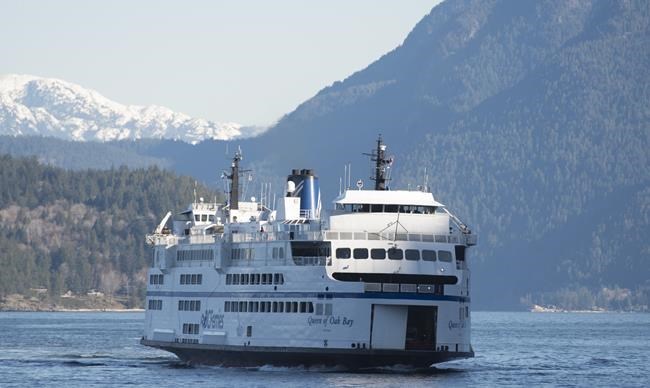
376 222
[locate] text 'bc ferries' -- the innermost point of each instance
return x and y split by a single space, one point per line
382 280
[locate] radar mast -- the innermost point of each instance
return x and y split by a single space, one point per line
381 164
234 180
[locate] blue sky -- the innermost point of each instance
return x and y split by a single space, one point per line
248 61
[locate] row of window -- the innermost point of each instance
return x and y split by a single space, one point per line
194 278
190 328
253 307
203 217
391 236
381 208
393 254
189 305
155 304
277 253
268 307
195 255
249 253
157 279
323 309
254 278
309 260
242 254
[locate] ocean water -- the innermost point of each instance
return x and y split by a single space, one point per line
512 349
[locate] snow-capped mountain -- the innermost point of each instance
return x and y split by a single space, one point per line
38 106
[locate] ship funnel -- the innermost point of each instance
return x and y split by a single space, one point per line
303 187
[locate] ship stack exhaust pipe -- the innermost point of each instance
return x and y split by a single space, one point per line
303 198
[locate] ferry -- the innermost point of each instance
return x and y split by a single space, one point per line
379 279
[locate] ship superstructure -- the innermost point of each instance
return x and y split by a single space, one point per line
382 280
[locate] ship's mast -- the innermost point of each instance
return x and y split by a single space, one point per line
381 162
234 181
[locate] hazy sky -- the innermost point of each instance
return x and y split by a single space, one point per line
245 61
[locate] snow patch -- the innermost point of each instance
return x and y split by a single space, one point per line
31 105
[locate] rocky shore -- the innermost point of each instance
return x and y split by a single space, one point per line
16 302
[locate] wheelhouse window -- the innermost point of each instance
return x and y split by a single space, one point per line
390 208
444 256
428 255
379 208
395 254
343 253
378 254
412 254
361 208
414 209
360 253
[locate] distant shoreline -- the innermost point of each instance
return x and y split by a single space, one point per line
84 310
552 309
42 303
98 311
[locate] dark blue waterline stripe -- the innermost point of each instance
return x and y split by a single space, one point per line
320 295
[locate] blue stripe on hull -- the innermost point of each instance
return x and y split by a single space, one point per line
321 295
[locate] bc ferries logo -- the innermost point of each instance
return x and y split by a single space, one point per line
210 320
456 325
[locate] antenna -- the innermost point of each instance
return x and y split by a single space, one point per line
349 174
426 181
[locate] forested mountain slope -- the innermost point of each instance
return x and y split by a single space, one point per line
531 119
81 230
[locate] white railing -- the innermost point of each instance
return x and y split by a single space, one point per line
440 238
162 239
310 260
277 236
201 239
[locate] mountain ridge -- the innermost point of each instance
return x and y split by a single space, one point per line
31 105
528 116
